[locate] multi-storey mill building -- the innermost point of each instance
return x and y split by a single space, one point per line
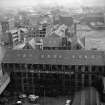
54 72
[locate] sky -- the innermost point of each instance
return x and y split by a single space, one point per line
17 3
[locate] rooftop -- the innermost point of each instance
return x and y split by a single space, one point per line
60 57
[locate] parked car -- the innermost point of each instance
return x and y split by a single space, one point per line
68 102
33 98
17 103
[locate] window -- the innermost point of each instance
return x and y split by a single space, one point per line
4 68
94 68
86 77
34 66
30 66
24 74
17 67
73 68
29 75
54 67
23 67
65 68
93 77
100 69
83 68
79 77
72 76
86 68
59 67
10 67
47 67
18 75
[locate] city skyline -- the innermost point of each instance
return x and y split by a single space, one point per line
67 3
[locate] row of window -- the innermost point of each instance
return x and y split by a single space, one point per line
31 76
49 84
73 56
52 84
51 56
62 68
58 56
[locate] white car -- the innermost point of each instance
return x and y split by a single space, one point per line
19 102
68 102
33 97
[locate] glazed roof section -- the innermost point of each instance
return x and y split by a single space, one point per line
55 57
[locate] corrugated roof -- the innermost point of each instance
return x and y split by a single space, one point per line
57 57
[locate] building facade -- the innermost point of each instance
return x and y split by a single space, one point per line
54 72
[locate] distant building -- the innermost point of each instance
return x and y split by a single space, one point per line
18 35
64 20
5 26
52 41
11 23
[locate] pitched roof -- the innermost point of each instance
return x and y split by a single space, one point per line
77 42
53 40
57 57
32 43
27 46
19 46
